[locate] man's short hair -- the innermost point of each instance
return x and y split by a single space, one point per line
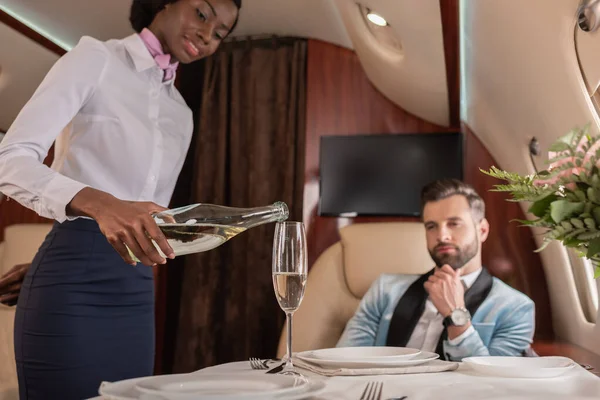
444 188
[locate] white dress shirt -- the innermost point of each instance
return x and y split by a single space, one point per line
430 326
118 128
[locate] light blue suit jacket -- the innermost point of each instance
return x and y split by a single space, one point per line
504 323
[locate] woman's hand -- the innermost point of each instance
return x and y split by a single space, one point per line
10 284
124 223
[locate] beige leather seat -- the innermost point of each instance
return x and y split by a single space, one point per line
344 272
21 242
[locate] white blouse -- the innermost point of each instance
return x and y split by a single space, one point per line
118 128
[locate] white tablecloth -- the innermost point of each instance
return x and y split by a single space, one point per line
463 383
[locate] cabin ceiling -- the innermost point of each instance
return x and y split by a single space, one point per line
414 77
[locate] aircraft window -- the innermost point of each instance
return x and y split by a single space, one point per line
587 290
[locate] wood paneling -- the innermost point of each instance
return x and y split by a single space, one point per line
30 33
342 101
509 250
450 27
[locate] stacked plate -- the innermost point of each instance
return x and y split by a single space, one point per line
216 387
367 357
520 367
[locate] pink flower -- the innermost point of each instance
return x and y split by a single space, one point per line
570 171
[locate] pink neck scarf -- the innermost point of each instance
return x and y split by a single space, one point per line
155 48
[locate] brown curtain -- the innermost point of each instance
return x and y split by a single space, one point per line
248 151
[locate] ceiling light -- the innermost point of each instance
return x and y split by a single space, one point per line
380 29
376 18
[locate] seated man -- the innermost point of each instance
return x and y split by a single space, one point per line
457 309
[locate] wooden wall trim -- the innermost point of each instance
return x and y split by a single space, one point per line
450 12
340 100
509 250
30 33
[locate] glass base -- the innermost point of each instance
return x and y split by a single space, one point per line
290 370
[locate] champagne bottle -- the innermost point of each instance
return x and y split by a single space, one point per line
202 227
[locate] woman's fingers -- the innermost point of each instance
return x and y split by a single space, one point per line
145 245
158 236
130 229
117 243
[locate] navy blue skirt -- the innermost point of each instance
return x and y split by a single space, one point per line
84 316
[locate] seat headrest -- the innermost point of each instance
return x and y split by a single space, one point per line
21 243
372 249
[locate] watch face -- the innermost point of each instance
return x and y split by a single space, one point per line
460 317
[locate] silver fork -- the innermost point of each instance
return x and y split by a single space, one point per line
257 363
372 391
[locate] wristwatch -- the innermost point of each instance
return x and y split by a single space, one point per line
459 317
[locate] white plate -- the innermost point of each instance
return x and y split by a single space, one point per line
360 362
126 390
520 367
221 387
375 353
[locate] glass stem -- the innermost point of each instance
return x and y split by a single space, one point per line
288 362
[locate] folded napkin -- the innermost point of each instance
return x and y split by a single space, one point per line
430 366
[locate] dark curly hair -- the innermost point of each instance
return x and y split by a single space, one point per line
142 12
444 188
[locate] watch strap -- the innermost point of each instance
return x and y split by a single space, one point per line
448 321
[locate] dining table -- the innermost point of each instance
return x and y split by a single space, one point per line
461 383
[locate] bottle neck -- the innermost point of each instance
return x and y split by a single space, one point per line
211 214
263 215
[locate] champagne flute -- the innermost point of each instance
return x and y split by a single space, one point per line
289 275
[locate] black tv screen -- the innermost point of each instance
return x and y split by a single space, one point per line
382 175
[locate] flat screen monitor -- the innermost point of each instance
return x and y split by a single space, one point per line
382 175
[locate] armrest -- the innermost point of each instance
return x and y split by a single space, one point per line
586 358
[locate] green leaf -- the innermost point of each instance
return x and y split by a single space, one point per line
540 207
543 246
572 242
597 272
559 146
593 248
568 226
562 209
587 236
596 214
580 195
577 223
576 233
530 222
590 223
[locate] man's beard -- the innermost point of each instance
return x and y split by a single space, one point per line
459 258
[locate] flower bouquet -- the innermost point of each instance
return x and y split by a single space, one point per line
565 198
